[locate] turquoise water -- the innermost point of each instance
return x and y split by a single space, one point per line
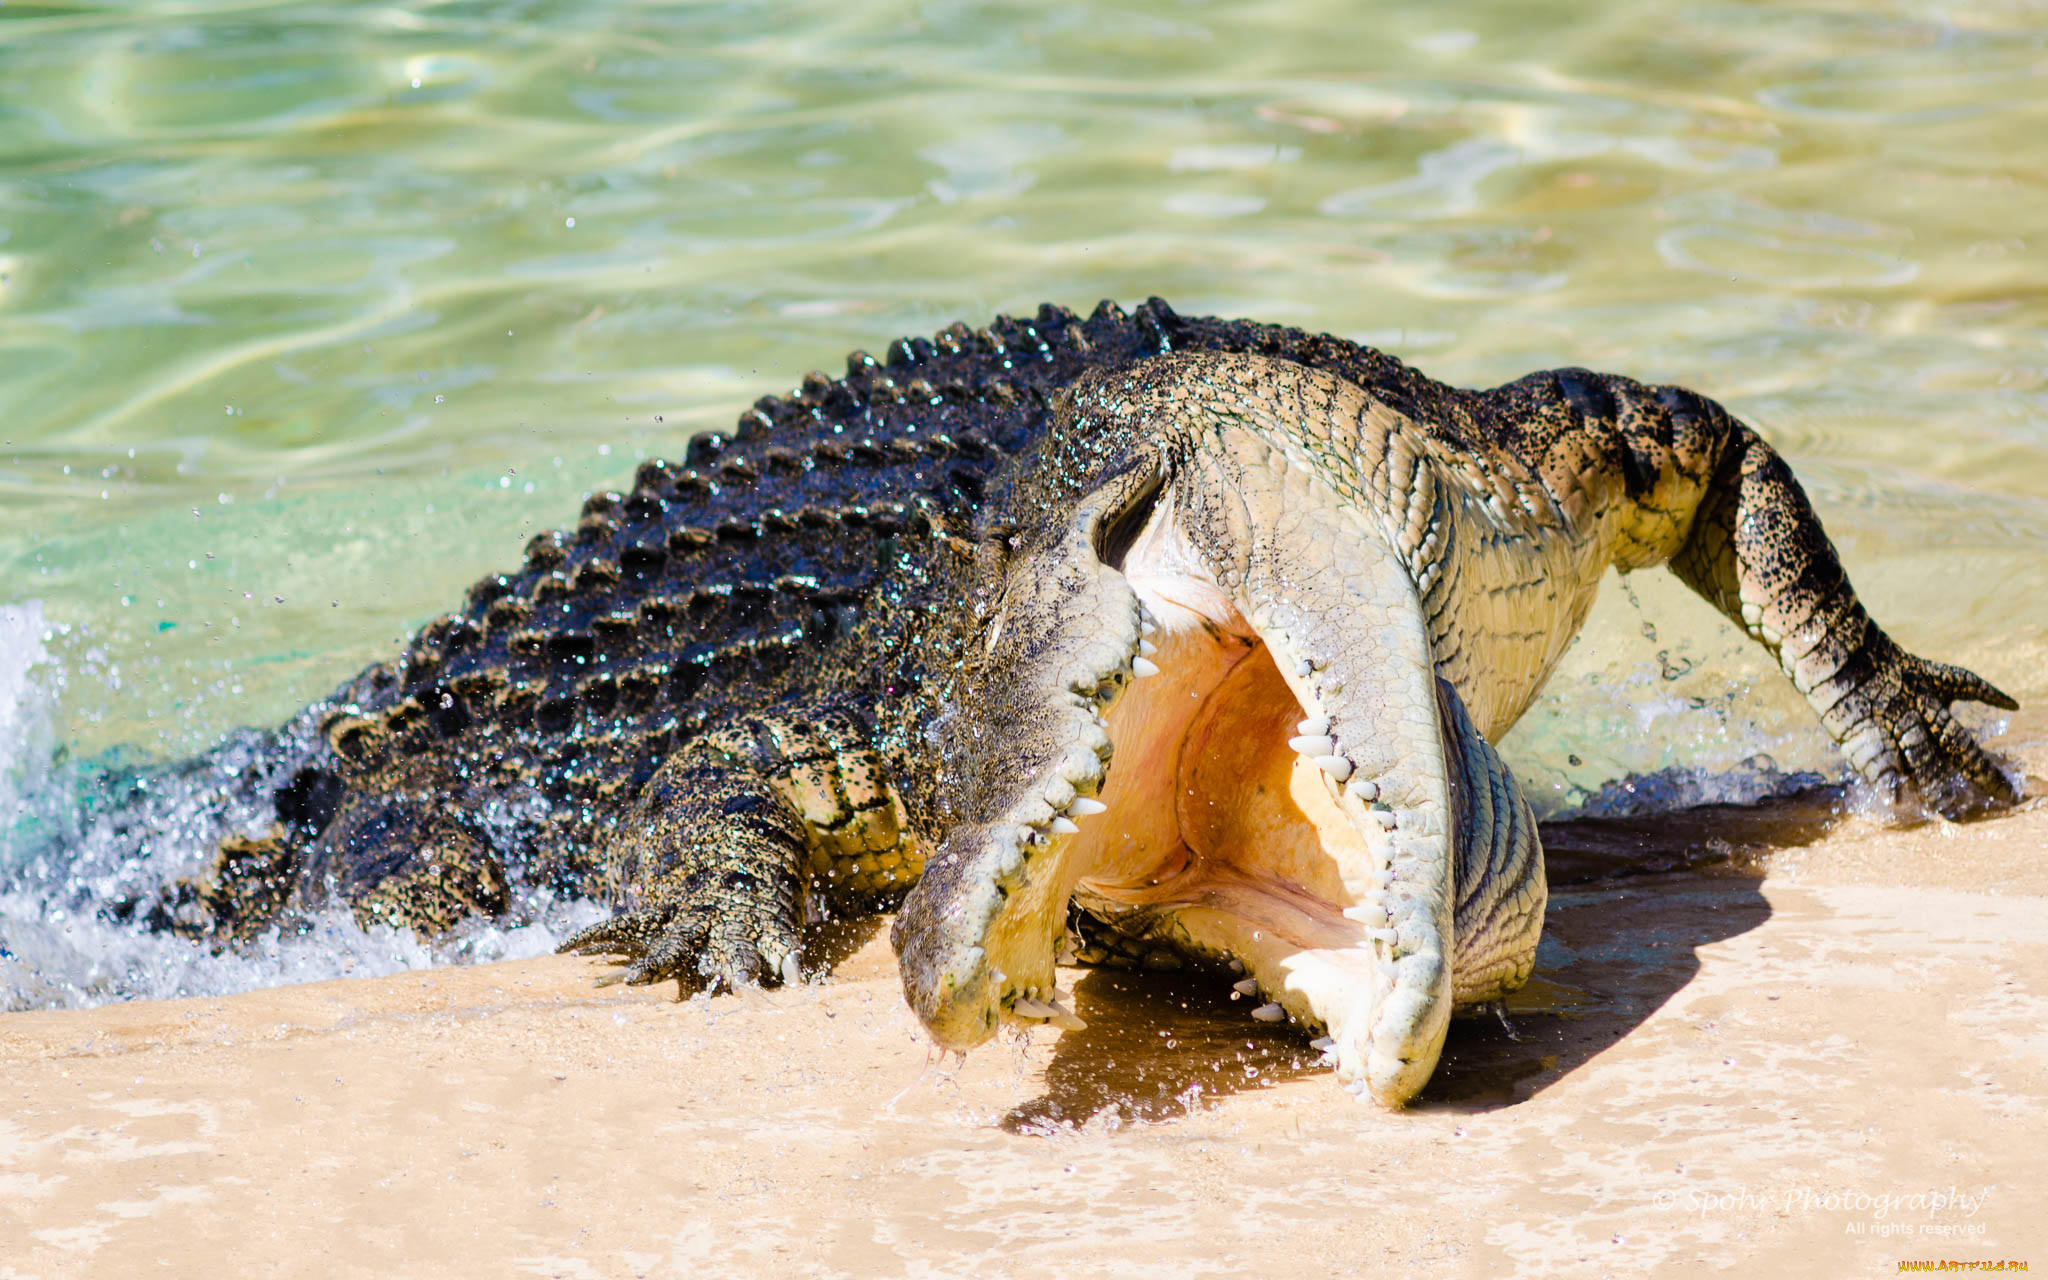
311 314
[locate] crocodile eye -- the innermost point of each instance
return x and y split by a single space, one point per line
1113 543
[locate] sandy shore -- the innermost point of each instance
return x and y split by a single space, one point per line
1823 1061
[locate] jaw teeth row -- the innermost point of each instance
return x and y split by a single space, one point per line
1141 661
1082 768
1316 743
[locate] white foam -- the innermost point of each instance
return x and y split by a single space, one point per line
62 862
54 959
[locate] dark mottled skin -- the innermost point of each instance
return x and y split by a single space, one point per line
832 555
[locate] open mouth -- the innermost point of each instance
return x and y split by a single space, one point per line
1224 832
1209 787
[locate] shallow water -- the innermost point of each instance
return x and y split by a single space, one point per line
310 315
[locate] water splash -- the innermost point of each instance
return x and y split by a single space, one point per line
1753 781
78 836
24 711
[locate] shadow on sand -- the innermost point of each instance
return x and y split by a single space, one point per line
1632 900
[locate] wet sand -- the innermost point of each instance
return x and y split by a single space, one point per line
1821 1060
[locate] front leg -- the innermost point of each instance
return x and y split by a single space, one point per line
1668 476
726 846
1757 552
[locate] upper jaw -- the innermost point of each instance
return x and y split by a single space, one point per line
977 937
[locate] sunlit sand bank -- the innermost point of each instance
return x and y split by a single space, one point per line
1824 1060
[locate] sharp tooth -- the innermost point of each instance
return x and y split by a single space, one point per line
1147 624
1336 766
1364 788
1322 1044
1392 970
1087 806
1065 826
1383 817
1304 668
1314 727
1144 667
1381 935
1246 987
1381 876
1269 1013
1312 746
1146 648
1048 1011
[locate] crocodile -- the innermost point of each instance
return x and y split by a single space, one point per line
1141 630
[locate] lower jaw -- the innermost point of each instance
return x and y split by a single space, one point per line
1303 961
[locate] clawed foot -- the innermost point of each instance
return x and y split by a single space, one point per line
1908 742
710 932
